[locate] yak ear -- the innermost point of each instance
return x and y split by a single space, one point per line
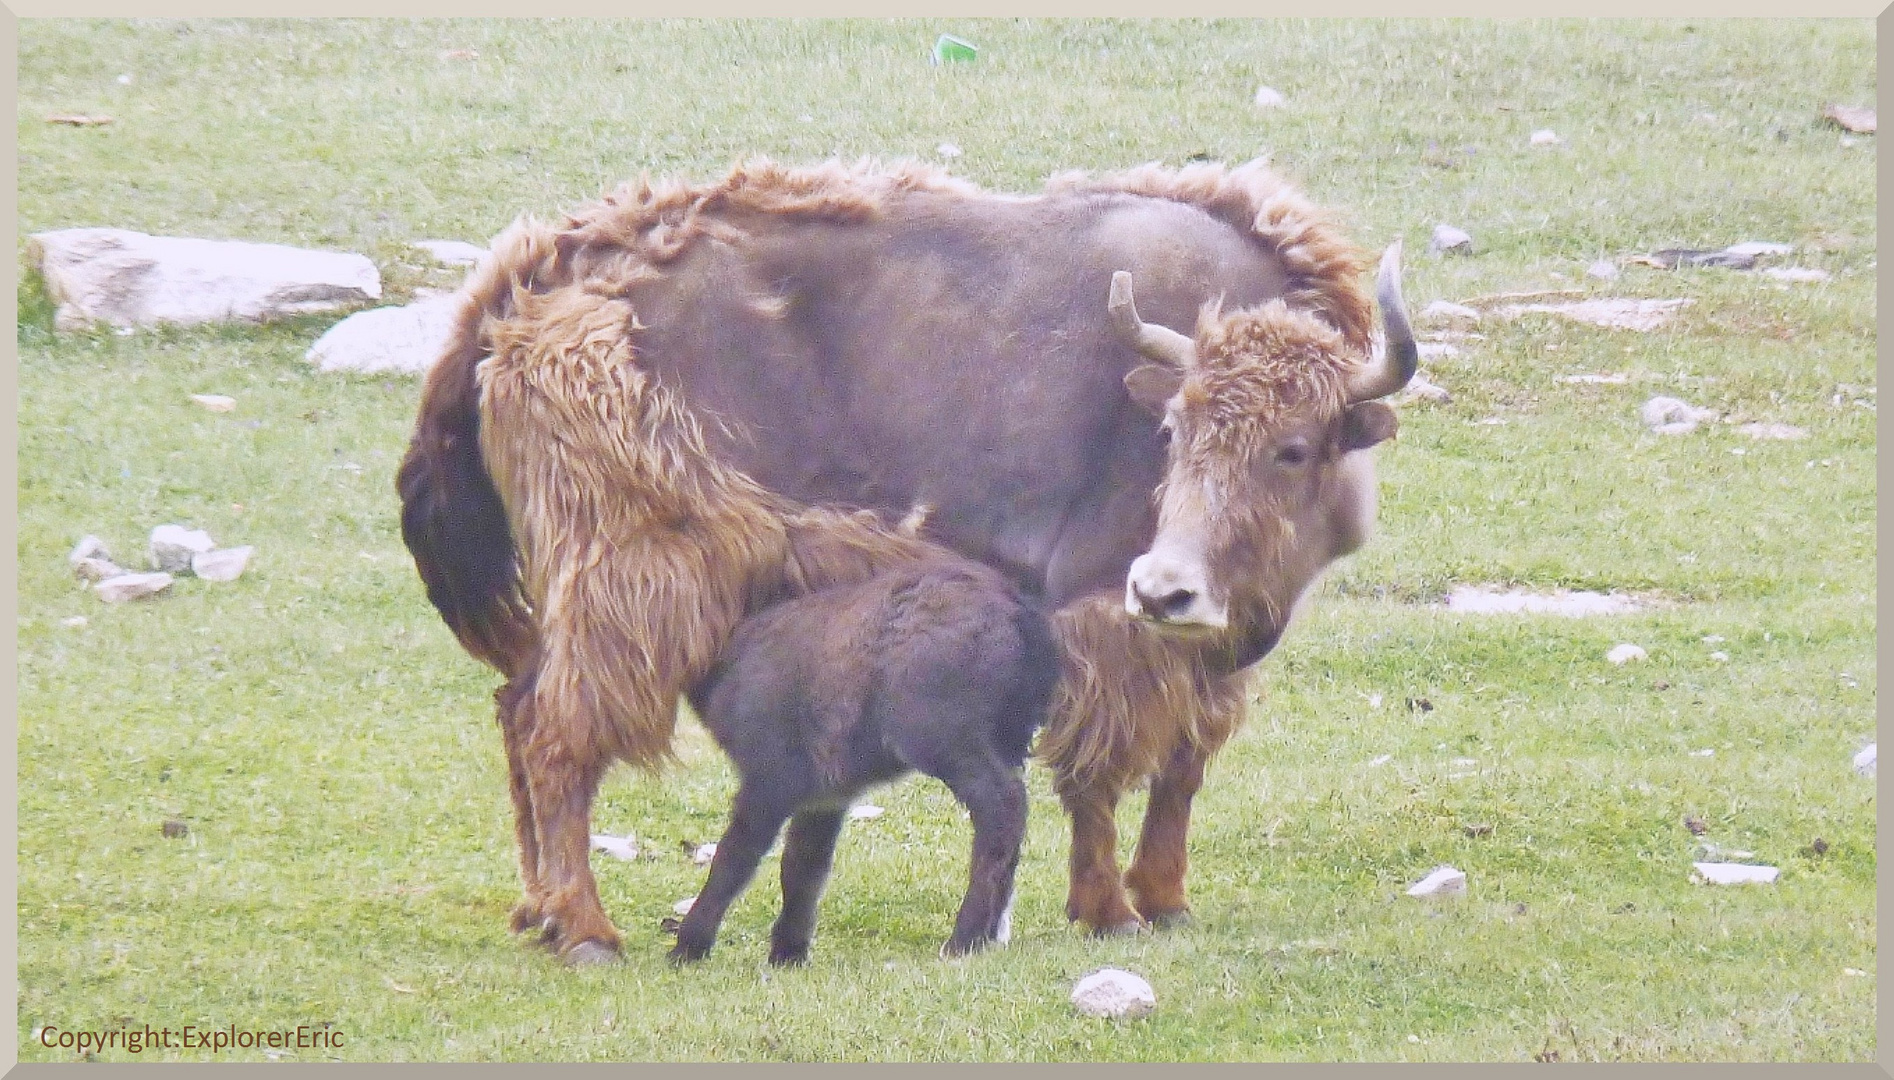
1366 424
1152 386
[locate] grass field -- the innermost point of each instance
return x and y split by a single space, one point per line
350 858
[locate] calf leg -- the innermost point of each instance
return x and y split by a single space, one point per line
562 775
1156 877
808 854
1097 894
754 823
515 718
995 797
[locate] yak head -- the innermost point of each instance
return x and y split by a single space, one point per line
1270 419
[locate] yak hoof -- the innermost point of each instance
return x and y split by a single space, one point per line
590 954
1123 929
682 954
1173 920
527 916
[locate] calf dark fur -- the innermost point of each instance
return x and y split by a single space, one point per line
940 667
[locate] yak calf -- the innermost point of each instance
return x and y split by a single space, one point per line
941 667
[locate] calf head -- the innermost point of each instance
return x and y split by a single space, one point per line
1269 420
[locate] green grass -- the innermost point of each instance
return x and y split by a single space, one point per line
350 855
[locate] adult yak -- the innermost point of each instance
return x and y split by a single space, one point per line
611 453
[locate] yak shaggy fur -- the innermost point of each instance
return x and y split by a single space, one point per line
577 535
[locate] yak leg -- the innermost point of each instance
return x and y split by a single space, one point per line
1097 895
995 798
755 820
514 709
1156 877
808 855
562 773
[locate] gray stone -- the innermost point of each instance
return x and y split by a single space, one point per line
131 279
117 590
1603 270
1722 873
452 252
1447 239
96 569
399 339
1441 881
88 547
1669 416
223 564
1268 97
1864 761
173 546
1115 994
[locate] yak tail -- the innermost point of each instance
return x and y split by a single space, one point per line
453 521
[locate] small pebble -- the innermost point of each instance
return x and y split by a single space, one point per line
174 828
75 621
1545 137
703 854
1441 881
1269 98
947 150
223 564
1864 761
89 547
1703 753
620 847
1720 656
1624 653
1603 270
683 907
865 811
215 402
173 545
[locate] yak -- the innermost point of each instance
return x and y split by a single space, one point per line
634 399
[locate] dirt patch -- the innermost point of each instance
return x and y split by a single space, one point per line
1486 600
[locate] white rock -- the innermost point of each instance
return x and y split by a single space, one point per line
452 252
1613 379
223 564
1446 239
1864 761
947 150
1796 273
97 569
620 847
1759 248
1545 137
683 907
117 590
1661 412
173 545
1482 600
405 339
131 279
1382 760
1625 653
1441 881
703 854
215 402
74 621
1420 388
1447 309
1603 270
865 811
1723 873
1113 993
1269 98
1720 656
88 547
1642 316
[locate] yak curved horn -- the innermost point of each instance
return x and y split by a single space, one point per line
1396 357
1157 343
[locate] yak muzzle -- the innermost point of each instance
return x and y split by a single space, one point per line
1174 591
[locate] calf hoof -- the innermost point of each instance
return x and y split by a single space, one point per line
787 956
590 954
684 953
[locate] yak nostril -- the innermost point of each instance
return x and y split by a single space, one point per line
1176 602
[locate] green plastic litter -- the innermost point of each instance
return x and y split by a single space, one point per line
950 47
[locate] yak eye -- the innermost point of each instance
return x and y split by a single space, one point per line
1292 454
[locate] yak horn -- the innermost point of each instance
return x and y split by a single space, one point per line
1395 357
1157 343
